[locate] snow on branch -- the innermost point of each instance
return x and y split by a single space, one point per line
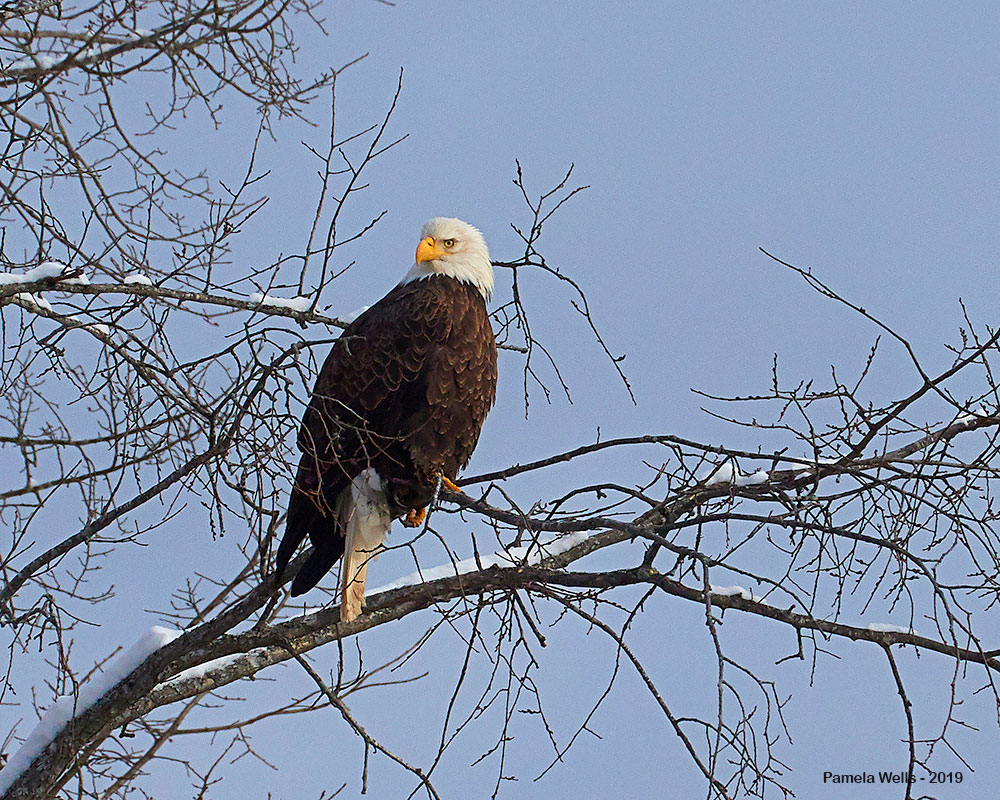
728 472
295 304
730 591
531 556
47 270
888 627
350 316
66 708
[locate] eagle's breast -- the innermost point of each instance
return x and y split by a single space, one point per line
457 385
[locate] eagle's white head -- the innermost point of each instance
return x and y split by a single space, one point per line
449 246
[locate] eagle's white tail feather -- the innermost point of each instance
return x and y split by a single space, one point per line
363 510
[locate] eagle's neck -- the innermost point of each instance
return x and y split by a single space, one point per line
476 271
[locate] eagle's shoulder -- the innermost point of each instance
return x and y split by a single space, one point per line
404 307
387 346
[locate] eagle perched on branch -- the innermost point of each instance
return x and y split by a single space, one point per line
396 411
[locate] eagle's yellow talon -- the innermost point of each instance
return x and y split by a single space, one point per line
449 484
415 517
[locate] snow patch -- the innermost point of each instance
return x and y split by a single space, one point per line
973 414
754 479
728 472
724 473
34 61
257 655
888 627
65 708
515 556
296 304
37 302
731 591
137 280
347 319
47 269
200 670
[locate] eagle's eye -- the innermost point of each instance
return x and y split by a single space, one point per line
449 243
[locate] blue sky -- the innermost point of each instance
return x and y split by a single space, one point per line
856 139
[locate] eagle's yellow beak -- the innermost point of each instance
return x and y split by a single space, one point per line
428 250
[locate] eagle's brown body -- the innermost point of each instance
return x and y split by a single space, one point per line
403 392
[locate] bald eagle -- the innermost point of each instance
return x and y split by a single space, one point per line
396 410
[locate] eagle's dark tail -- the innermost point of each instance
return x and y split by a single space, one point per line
317 565
305 517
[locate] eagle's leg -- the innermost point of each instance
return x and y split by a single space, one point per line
415 517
